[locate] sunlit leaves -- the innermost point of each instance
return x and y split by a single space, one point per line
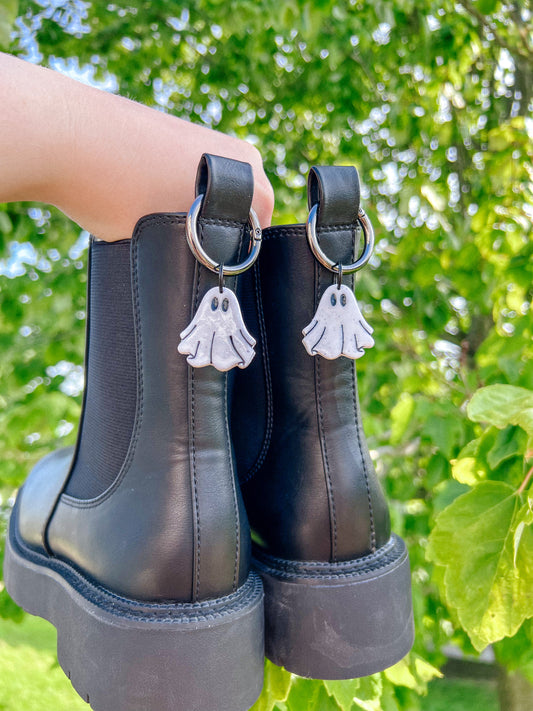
432 107
488 579
287 692
502 405
483 540
42 301
8 13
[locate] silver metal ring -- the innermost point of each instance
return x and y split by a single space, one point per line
368 234
191 232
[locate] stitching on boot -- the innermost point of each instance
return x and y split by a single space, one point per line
357 429
335 228
233 486
230 456
127 608
158 219
267 376
195 493
220 221
278 232
196 591
329 482
390 548
389 556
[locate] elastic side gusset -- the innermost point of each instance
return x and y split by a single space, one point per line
110 398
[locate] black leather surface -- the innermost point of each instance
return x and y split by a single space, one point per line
336 189
315 495
172 526
227 186
251 406
38 496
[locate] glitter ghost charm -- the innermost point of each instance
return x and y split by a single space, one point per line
217 335
338 327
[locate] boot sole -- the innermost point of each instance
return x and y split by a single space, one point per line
338 621
127 655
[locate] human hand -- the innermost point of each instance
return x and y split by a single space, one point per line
102 159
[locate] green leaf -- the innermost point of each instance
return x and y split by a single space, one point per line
469 468
309 695
510 442
323 702
446 431
401 415
343 692
276 687
446 492
368 696
6 226
401 675
523 518
437 469
473 539
389 701
503 405
8 13
487 6
412 672
497 454
277 680
9 609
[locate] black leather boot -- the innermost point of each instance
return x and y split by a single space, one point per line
337 583
135 544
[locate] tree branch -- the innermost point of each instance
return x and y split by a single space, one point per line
526 481
526 52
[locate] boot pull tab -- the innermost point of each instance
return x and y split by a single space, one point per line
338 327
217 335
337 193
227 186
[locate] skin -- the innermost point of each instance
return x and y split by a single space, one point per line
104 160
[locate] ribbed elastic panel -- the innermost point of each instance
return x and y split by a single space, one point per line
110 396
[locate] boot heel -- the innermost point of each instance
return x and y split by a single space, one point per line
338 621
125 655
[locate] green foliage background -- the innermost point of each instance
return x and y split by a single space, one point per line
431 100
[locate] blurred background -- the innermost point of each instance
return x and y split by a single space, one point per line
431 100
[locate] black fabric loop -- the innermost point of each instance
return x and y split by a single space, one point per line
336 190
227 186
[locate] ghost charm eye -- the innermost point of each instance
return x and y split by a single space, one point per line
338 327
217 334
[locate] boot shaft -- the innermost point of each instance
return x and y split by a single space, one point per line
309 484
151 508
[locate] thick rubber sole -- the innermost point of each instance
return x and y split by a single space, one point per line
338 621
125 655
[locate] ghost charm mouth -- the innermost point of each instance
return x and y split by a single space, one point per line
338 327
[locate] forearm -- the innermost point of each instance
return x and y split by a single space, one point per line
103 160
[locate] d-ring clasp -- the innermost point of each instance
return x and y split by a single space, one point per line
368 234
191 232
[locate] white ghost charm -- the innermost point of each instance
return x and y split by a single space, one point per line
217 335
338 327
